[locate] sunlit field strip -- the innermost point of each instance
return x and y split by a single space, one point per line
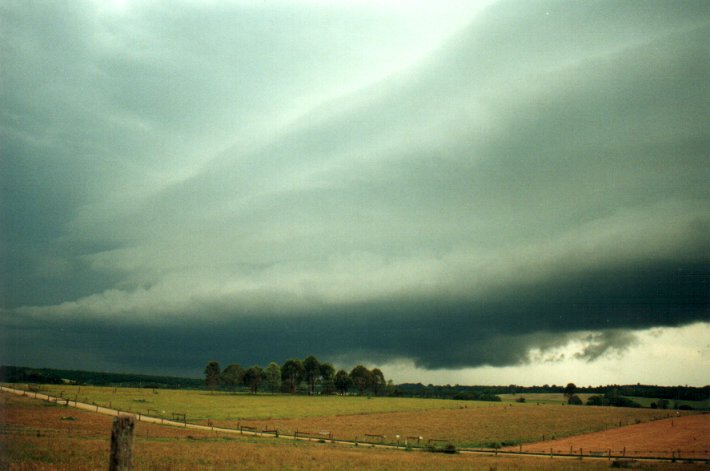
218 405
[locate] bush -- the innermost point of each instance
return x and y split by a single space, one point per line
611 400
596 401
575 401
449 448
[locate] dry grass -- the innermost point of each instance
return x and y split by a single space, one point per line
493 425
37 436
465 423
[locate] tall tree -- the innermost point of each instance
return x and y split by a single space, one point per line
311 372
377 381
292 374
273 376
569 390
253 378
342 381
327 374
212 373
361 378
232 376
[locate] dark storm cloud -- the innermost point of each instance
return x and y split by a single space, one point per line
538 181
435 333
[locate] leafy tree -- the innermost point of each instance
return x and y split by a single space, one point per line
391 388
253 378
596 400
273 376
611 398
361 378
212 374
311 371
292 374
327 375
232 376
569 390
342 381
378 382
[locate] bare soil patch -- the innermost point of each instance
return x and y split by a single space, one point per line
680 437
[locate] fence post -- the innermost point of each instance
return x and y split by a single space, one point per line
121 444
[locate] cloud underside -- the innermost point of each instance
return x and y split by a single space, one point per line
446 332
536 182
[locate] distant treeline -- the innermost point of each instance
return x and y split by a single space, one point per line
22 374
680 393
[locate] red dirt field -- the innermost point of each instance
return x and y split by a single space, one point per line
681 437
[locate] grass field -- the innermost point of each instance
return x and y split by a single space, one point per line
202 405
37 435
469 424
482 426
542 398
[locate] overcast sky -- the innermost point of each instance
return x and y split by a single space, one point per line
465 192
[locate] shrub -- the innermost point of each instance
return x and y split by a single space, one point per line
575 401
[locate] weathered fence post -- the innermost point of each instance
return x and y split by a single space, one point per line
121 444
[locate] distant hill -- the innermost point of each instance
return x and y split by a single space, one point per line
23 374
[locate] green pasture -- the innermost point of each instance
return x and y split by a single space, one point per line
220 405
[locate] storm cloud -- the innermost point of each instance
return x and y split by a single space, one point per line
249 183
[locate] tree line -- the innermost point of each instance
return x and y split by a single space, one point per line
294 375
24 374
670 393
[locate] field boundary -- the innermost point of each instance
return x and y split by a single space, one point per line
320 437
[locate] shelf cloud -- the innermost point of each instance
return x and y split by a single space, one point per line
255 183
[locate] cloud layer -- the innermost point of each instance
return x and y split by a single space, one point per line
246 183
